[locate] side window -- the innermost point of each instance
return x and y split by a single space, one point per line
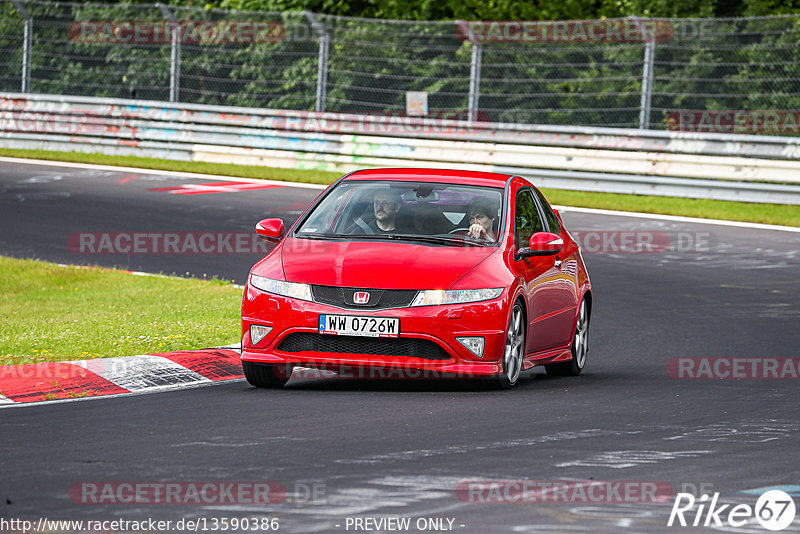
550 217
323 220
526 219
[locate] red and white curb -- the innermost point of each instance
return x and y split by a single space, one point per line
53 381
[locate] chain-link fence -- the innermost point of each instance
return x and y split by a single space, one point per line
736 75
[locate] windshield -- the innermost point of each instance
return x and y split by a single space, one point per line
434 213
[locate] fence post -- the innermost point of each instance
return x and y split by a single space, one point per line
647 75
175 53
474 72
647 84
27 45
475 80
322 60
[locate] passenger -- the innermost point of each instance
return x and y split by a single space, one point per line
481 213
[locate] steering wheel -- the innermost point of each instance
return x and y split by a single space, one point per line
459 231
465 232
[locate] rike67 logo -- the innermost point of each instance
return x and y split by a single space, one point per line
774 510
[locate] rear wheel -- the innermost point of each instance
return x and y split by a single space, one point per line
267 375
579 349
514 349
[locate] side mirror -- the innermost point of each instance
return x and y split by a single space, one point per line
270 229
543 244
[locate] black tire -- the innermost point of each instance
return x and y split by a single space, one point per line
265 375
514 350
579 348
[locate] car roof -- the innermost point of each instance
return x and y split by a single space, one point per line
454 176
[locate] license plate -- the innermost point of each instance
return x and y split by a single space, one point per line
352 325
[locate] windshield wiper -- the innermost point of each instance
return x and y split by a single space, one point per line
320 236
432 239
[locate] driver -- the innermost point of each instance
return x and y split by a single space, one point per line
385 205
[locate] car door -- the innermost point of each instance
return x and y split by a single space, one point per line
566 263
543 280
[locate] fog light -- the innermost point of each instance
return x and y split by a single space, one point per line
473 344
257 332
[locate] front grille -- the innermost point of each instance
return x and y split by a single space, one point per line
342 297
403 346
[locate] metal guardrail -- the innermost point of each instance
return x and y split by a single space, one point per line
720 166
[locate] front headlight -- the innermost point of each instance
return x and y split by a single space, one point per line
279 287
436 297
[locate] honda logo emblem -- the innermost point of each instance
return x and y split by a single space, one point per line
360 297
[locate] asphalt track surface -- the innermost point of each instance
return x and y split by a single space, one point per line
389 448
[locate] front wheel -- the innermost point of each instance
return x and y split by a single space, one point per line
579 349
514 349
266 375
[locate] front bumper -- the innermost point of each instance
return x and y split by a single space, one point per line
434 324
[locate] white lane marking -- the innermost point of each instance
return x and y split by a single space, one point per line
624 459
742 433
41 179
159 275
679 218
549 529
226 441
136 373
370 496
140 273
179 174
597 211
415 454
5 400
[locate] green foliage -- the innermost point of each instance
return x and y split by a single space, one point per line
723 64
516 9
760 8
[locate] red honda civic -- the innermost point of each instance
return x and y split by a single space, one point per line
422 272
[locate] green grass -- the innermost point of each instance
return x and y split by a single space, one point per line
222 169
710 209
781 214
55 313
